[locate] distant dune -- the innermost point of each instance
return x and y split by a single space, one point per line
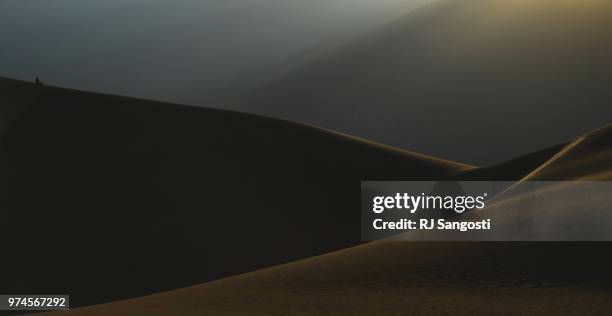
586 157
482 77
422 278
128 197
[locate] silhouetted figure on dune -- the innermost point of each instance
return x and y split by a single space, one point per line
38 82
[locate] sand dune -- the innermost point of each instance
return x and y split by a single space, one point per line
487 70
392 278
135 197
586 158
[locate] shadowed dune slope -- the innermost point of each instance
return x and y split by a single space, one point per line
491 72
412 278
126 197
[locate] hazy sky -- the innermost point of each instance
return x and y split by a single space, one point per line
179 50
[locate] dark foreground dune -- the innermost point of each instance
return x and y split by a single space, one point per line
130 197
106 197
430 278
